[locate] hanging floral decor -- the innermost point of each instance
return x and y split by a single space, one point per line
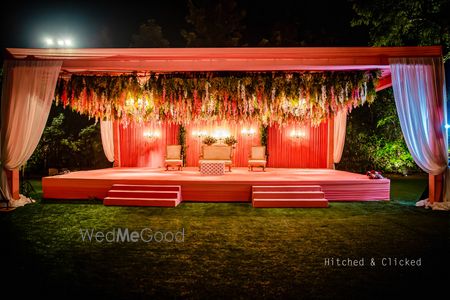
262 98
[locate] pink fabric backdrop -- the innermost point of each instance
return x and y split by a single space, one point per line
136 150
308 152
284 151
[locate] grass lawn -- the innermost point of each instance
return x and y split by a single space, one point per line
230 250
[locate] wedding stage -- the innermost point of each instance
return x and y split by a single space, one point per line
293 103
235 186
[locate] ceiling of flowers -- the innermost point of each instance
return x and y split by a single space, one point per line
182 98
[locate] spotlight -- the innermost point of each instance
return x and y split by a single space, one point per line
49 41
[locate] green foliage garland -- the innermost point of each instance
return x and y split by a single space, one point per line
264 129
182 142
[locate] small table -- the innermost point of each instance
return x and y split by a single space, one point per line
212 167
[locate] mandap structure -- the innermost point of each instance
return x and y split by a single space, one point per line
270 94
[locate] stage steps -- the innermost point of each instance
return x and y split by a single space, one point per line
143 195
288 196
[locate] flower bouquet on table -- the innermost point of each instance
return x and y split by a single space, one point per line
374 174
209 140
230 141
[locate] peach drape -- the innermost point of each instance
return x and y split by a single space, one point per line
420 98
340 126
106 132
27 94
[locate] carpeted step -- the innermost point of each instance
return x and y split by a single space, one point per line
288 195
281 203
143 194
109 201
145 187
286 188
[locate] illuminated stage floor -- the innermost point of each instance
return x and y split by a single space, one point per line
231 187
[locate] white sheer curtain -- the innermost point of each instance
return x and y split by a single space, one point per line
106 130
27 94
340 128
419 91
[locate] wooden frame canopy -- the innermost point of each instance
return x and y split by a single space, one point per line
223 59
125 60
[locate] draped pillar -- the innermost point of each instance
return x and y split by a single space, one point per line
340 126
27 94
420 99
106 132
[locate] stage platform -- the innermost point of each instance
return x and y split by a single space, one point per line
235 186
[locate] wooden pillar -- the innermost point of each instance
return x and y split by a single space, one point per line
330 158
435 183
13 182
116 140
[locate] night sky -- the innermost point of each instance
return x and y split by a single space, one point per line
111 24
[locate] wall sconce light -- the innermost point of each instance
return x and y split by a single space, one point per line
248 131
152 135
297 134
220 134
199 133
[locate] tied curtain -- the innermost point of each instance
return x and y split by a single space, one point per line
419 91
106 132
27 94
340 126
298 146
144 145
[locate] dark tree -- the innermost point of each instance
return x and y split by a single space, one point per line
149 35
282 35
374 139
214 24
405 22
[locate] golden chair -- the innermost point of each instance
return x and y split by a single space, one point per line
174 158
257 158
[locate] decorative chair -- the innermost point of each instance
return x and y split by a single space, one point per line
257 158
173 157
